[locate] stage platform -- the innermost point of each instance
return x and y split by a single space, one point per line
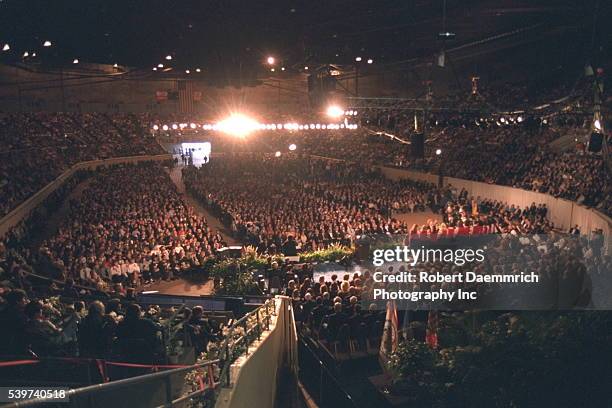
180 287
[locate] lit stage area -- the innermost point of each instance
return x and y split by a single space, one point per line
180 287
200 152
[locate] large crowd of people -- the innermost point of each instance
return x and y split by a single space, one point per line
38 147
516 154
128 227
73 291
310 203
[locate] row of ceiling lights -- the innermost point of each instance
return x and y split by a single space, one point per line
270 60
169 58
7 47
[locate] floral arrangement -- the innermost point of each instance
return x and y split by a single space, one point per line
333 253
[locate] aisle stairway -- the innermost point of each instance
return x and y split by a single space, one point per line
213 222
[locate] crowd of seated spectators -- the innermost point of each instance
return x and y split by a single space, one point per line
274 202
269 200
38 147
514 155
498 150
112 328
343 312
128 227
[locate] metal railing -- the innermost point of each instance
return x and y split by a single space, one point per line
165 376
252 325
320 381
240 335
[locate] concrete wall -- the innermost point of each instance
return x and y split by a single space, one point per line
563 213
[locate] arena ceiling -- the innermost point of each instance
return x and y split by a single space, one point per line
234 37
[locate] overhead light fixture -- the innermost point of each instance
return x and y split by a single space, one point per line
306 68
26 54
116 65
169 57
292 147
271 60
277 154
160 65
198 70
6 47
438 152
283 68
154 68
370 61
358 59
272 69
75 61
47 43
187 71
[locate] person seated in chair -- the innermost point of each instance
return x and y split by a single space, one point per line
200 329
95 332
137 337
332 322
44 337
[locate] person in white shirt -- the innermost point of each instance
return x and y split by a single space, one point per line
85 274
134 272
115 273
124 268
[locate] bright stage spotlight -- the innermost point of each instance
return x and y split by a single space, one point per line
334 111
271 60
238 125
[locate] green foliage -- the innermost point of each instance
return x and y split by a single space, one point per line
333 253
511 360
234 277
